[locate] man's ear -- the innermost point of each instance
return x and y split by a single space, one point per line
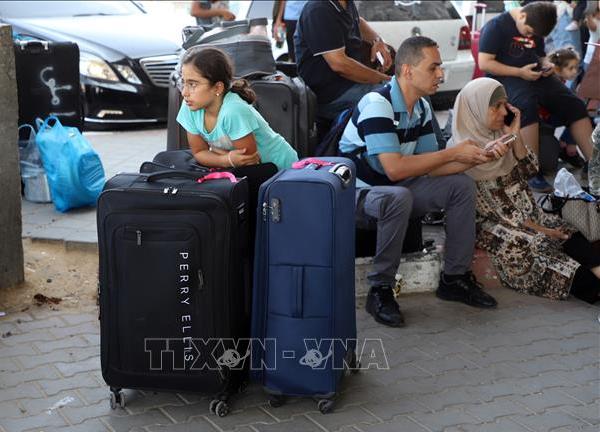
405 71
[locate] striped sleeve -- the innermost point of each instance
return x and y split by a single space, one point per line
375 125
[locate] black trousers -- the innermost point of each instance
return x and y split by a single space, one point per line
585 286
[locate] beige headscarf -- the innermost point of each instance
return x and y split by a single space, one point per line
470 122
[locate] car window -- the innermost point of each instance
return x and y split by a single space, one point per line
399 10
40 9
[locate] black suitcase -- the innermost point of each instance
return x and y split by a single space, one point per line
174 284
183 160
290 107
48 81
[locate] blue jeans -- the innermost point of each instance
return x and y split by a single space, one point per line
348 99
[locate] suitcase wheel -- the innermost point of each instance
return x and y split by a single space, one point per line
325 405
218 407
117 398
276 401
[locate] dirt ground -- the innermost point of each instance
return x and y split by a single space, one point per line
54 277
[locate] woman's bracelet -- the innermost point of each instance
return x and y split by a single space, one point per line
230 161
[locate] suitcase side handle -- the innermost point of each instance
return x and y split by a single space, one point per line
218 175
173 174
343 172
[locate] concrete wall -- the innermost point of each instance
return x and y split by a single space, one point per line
11 246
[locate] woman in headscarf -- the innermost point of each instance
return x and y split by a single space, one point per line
533 252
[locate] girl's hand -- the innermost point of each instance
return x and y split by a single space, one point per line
239 158
515 125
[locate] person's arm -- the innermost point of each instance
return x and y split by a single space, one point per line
279 19
378 45
443 162
199 12
244 154
488 63
352 70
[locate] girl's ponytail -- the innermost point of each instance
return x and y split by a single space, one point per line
241 87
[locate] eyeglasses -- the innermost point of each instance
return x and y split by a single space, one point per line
191 86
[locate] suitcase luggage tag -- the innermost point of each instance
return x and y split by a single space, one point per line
341 170
218 175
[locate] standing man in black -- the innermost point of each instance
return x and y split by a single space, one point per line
329 40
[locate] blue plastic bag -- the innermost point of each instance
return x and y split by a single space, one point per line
74 170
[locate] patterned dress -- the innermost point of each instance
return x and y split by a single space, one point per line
526 260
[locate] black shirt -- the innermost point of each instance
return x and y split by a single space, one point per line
501 37
326 26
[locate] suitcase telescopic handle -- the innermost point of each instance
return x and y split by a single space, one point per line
173 174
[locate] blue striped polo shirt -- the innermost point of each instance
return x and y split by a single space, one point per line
381 123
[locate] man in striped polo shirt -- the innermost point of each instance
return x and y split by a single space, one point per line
391 139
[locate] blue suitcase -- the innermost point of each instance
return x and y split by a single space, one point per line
303 311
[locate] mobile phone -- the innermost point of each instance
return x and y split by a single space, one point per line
379 58
506 139
510 116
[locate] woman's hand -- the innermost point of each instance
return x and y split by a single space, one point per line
238 157
515 125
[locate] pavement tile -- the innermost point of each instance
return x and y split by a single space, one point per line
19 339
489 412
443 419
40 421
236 418
298 424
585 394
448 363
548 420
403 424
502 425
549 398
25 390
78 329
61 344
294 407
489 392
387 411
184 412
125 423
45 372
78 318
8 365
539 365
580 376
91 425
10 409
70 369
580 359
198 424
68 355
138 402
337 419
446 399
588 413
47 323
78 414
24 349
52 387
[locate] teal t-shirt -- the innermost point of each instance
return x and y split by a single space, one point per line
237 119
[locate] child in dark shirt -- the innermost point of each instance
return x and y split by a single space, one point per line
511 50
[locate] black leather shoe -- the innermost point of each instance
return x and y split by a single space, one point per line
465 289
382 305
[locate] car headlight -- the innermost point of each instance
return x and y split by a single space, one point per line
94 67
128 73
